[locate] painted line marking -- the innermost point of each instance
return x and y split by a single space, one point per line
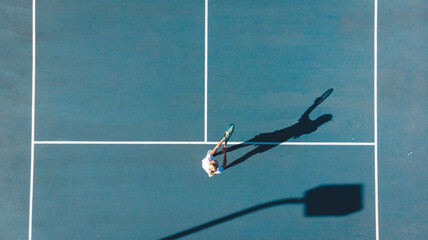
201 143
33 104
375 123
206 74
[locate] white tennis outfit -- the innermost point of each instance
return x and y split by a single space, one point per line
206 164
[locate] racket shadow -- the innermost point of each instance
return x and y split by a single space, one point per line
304 126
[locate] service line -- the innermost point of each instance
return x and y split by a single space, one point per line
200 143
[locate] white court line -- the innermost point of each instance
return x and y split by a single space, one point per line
206 74
200 143
375 124
33 104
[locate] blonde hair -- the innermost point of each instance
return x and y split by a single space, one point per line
213 167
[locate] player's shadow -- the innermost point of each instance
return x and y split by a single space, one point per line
267 141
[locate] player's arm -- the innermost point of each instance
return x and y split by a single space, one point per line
217 147
305 115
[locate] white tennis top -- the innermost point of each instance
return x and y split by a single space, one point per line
206 164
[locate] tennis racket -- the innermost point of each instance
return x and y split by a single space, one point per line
227 135
229 131
324 96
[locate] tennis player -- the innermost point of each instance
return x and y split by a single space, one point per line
210 164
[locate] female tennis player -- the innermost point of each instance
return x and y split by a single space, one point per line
212 165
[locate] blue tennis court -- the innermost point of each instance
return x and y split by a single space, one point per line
145 192
110 106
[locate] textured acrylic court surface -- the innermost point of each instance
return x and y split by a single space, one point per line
269 60
134 71
120 192
151 192
129 70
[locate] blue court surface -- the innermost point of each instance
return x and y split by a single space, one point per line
108 107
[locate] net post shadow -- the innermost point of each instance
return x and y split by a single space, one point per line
326 200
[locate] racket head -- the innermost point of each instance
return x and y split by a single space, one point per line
324 96
229 129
